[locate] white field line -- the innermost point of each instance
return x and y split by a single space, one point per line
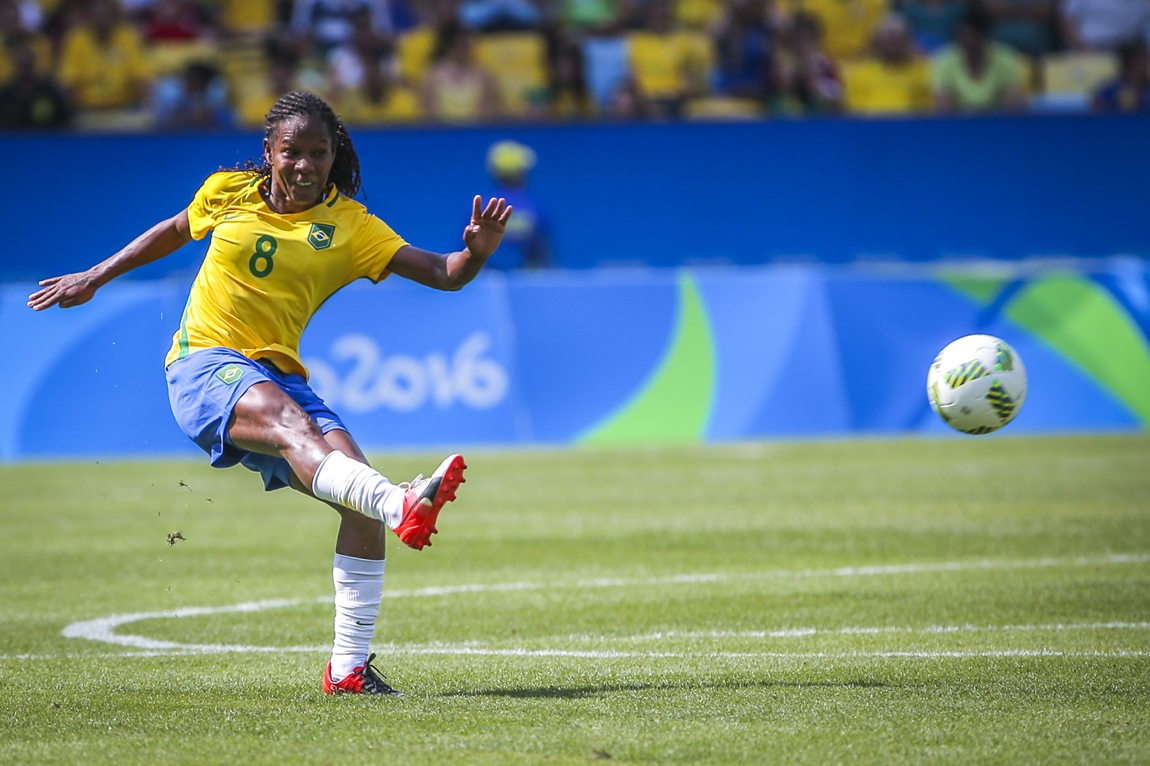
102 630
791 574
479 651
851 631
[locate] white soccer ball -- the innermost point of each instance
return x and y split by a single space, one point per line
977 384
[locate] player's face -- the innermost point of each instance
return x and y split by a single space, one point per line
300 154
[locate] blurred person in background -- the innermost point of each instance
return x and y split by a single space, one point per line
249 19
744 35
567 96
195 100
500 15
31 101
664 63
330 23
281 78
457 89
848 26
101 60
59 18
894 80
593 17
932 22
1130 91
380 98
347 64
174 20
975 74
628 103
1104 24
15 33
807 80
415 49
526 243
1028 26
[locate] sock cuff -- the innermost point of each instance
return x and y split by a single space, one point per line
357 566
322 487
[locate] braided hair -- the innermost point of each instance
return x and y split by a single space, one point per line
344 170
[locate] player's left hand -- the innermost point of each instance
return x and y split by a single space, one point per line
65 291
483 235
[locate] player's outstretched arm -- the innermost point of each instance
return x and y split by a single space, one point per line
74 289
451 271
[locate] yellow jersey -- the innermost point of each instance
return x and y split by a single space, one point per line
266 274
103 73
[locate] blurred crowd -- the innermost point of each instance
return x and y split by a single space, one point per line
218 64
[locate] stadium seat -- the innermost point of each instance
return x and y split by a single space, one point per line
414 50
248 17
518 61
697 14
244 67
1069 79
171 56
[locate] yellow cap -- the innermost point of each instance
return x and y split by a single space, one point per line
509 158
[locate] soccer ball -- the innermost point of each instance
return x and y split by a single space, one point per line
977 384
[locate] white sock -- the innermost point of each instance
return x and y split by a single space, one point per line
358 592
352 484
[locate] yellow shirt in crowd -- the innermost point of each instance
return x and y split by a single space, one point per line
401 104
873 87
247 15
102 74
266 274
848 25
41 51
661 62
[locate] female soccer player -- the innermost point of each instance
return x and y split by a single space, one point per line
286 235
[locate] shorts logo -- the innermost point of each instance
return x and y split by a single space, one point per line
230 374
320 235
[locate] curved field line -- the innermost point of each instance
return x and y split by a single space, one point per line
103 629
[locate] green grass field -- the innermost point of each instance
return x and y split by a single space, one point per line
886 601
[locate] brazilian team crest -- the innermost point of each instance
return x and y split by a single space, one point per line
320 235
230 374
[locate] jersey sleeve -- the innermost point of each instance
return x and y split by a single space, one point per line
207 205
375 244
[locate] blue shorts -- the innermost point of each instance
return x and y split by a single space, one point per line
203 389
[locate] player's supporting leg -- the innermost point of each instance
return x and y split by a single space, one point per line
357 573
271 422
358 594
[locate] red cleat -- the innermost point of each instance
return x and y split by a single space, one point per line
424 499
363 680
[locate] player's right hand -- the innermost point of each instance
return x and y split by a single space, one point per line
65 291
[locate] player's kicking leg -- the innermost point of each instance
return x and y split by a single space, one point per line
410 509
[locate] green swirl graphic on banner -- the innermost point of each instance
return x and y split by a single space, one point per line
674 405
1083 322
